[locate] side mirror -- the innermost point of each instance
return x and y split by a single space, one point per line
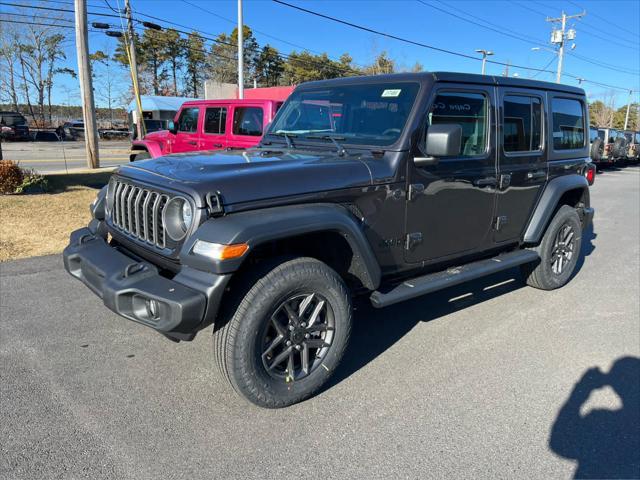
172 128
443 140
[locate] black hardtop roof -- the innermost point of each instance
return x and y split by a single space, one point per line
456 77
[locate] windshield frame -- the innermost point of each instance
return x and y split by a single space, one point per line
302 141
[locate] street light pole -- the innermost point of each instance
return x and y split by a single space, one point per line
485 54
626 117
240 53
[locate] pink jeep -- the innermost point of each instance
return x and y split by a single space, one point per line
209 125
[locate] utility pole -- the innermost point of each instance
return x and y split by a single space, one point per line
133 64
559 37
506 69
240 53
626 117
86 87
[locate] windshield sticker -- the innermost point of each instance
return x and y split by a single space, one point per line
391 93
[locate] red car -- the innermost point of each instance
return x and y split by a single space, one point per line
209 125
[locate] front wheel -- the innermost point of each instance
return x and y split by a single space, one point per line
559 251
287 335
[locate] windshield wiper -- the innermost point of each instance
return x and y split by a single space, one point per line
341 150
287 137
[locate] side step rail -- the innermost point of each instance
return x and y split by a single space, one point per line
433 282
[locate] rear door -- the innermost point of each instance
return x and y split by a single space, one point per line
187 136
214 128
522 161
247 126
450 204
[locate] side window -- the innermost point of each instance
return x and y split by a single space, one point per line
470 111
215 120
601 135
247 121
522 130
612 136
568 124
188 121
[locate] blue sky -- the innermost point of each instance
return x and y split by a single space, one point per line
609 33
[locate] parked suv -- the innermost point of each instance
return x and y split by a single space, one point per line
13 126
632 140
209 125
611 150
596 145
390 187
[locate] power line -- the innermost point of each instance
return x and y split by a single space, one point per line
530 40
424 45
584 31
635 34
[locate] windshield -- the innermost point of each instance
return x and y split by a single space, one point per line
13 120
373 114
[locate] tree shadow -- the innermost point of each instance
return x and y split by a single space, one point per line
605 443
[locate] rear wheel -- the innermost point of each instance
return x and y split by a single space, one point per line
287 335
559 251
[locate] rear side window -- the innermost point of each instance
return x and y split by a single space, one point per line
568 124
637 138
215 120
601 135
247 121
522 123
612 136
188 121
470 111
593 134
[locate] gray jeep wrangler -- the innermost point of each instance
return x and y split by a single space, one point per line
388 187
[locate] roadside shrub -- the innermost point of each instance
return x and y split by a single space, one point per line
32 182
11 176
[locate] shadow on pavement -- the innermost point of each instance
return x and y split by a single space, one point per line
605 443
377 330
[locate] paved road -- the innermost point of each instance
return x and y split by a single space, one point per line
47 157
466 383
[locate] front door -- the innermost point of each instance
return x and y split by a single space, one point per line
187 136
522 165
450 204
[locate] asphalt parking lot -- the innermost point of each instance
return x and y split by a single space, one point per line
467 383
49 157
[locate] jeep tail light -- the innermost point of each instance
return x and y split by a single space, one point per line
590 174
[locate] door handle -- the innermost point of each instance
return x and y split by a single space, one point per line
217 145
486 182
192 142
536 175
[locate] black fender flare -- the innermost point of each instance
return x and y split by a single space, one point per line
257 227
549 201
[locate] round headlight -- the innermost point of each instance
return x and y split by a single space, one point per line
187 215
178 217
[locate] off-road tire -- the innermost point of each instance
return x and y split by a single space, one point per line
542 275
237 338
619 147
597 148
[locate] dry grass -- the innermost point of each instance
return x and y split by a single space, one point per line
40 224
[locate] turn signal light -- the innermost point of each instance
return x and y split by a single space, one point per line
217 251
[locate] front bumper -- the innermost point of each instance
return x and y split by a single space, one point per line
135 289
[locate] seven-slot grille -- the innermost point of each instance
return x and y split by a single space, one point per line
138 212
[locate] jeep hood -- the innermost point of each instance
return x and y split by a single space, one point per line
245 176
